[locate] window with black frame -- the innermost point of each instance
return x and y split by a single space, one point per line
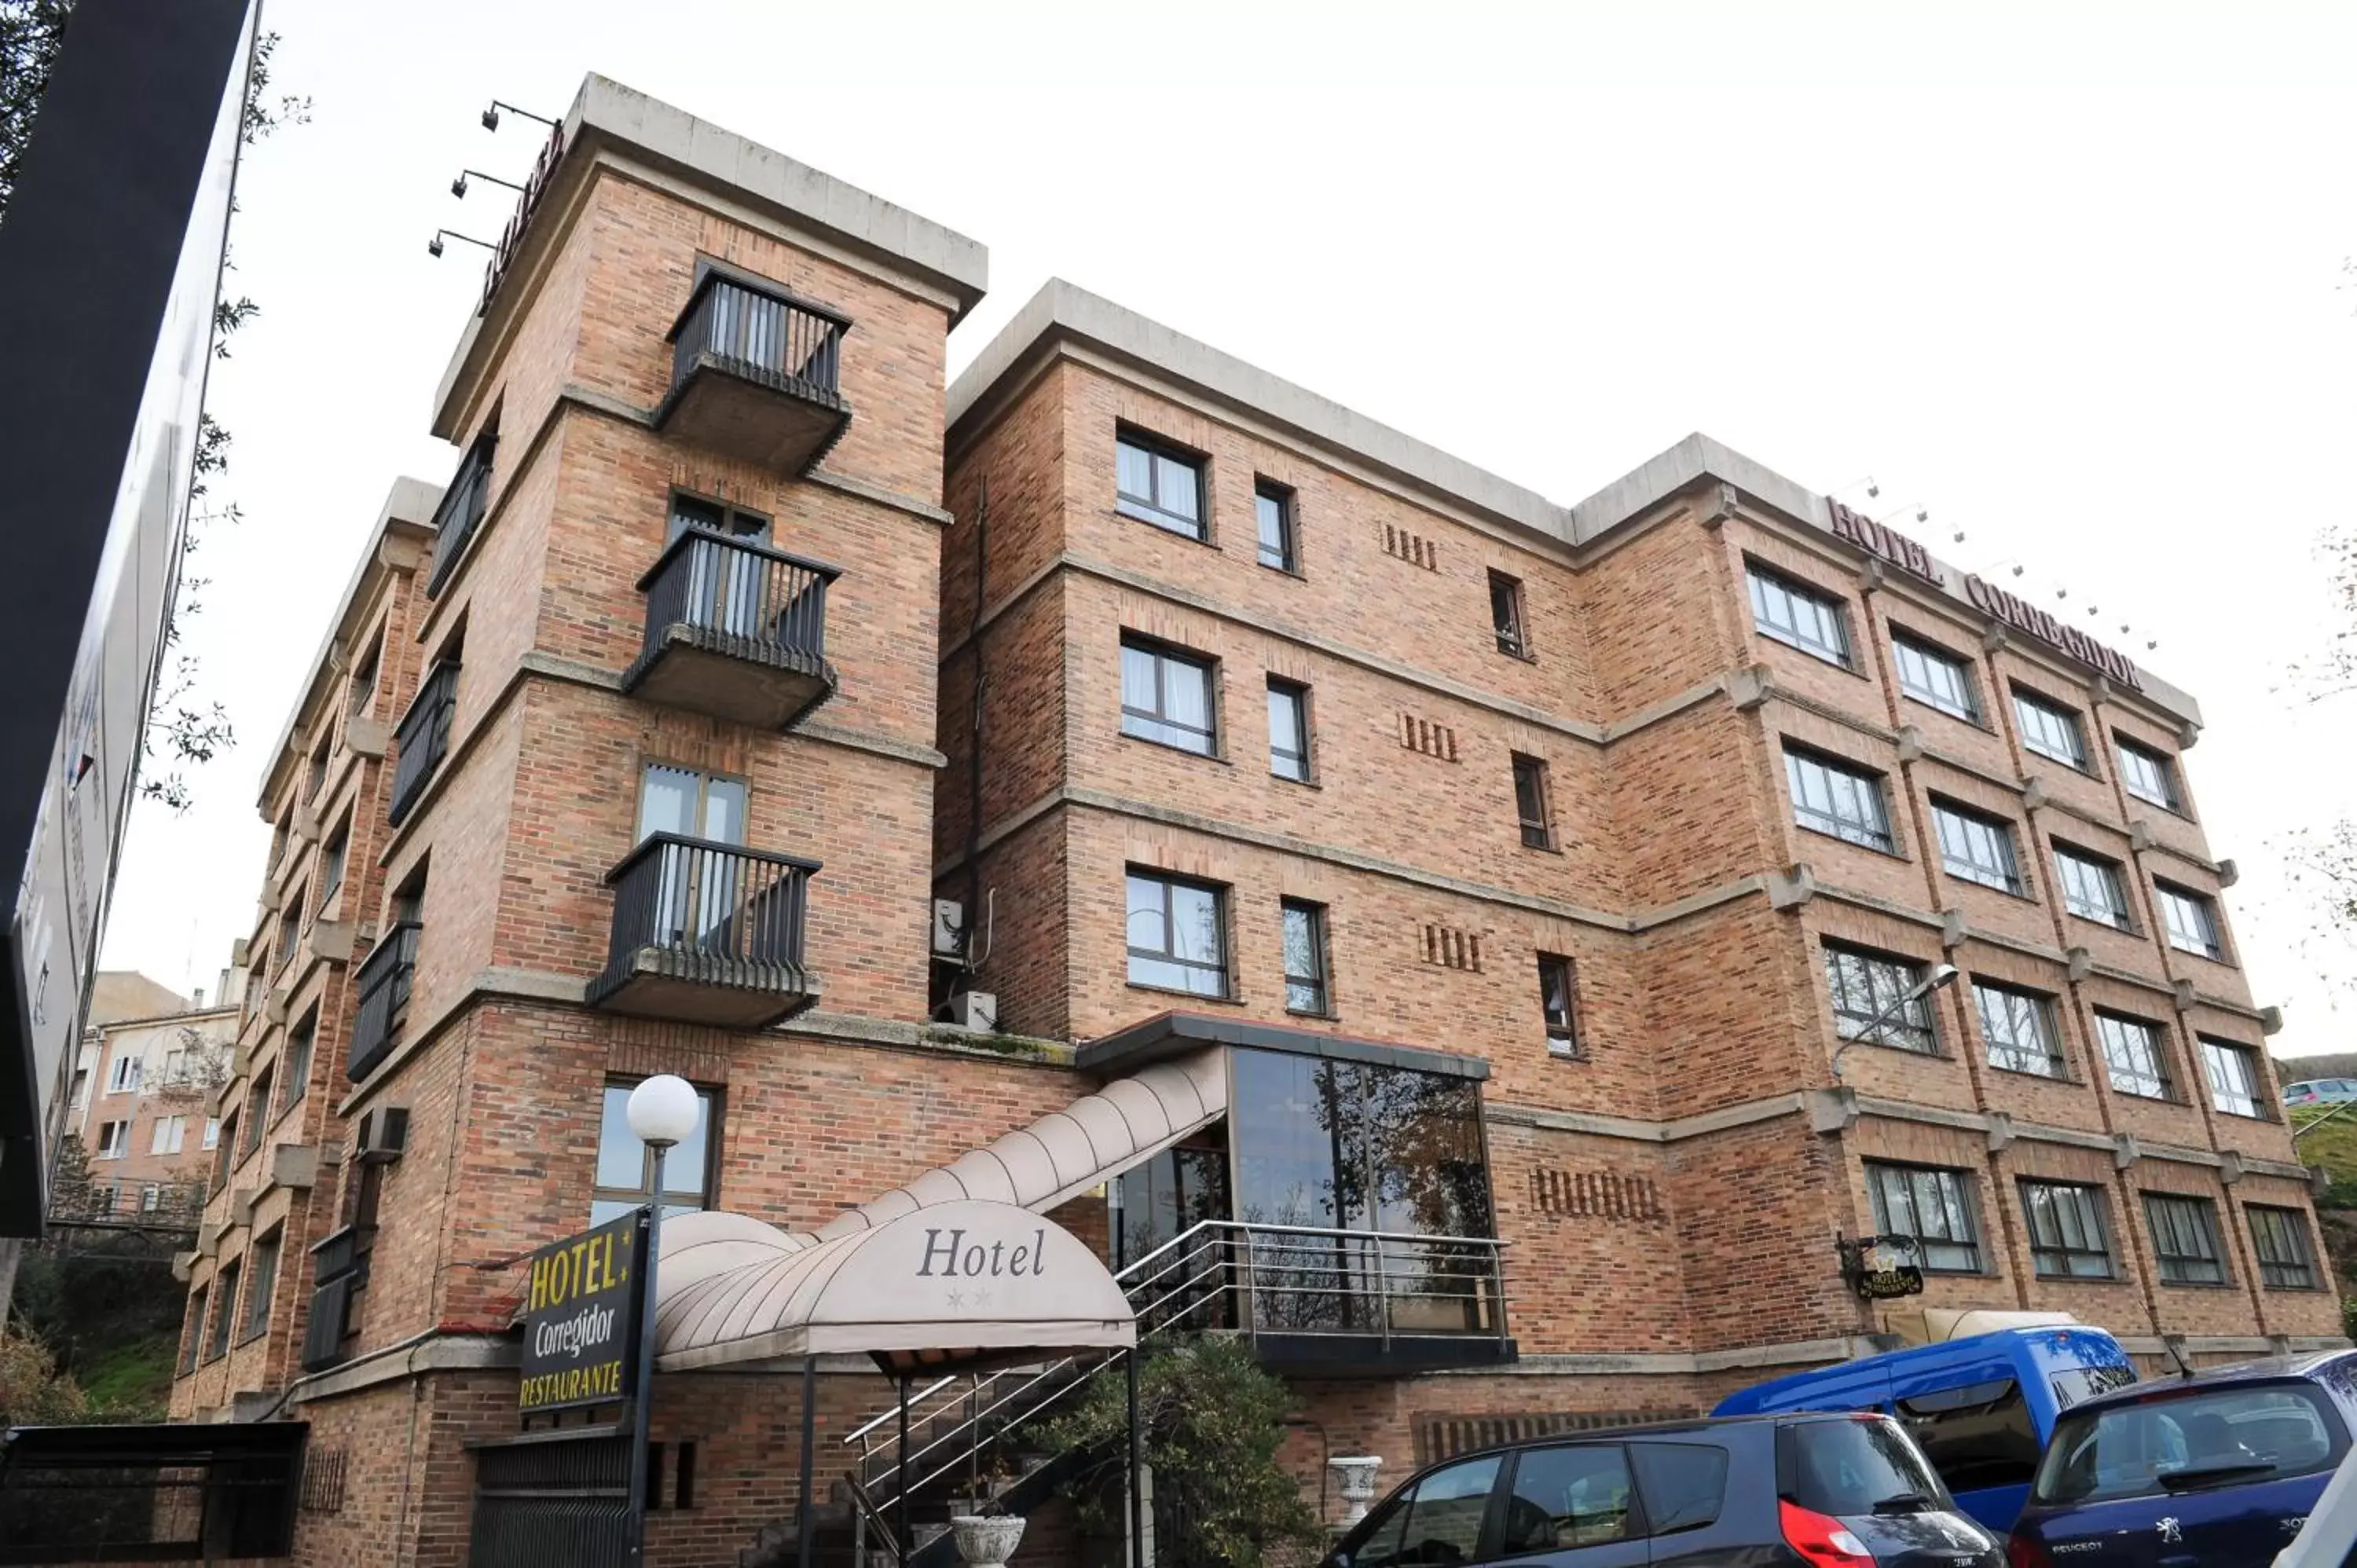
625 1167
1931 1204
1324 1148
1840 798
2193 921
1531 807
1165 697
1305 958
2068 1238
1976 846
1559 1004
2185 1240
2233 1077
2019 1028
2092 888
1933 676
1799 615
1177 934
2051 730
1867 988
2135 1056
1273 510
1288 729
2280 1239
1508 617
1159 483
2149 775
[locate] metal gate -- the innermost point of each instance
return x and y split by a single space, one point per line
551 1499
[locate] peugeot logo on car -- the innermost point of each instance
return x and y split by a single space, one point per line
2170 1535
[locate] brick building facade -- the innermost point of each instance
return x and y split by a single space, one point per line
1545 855
140 1107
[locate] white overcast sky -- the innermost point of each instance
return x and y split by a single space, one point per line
2073 279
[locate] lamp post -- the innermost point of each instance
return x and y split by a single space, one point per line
1942 976
663 1112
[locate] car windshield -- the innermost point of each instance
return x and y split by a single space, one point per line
2214 1437
1846 1466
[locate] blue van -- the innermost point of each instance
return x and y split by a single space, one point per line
1980 1408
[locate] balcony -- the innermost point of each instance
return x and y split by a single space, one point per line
339 1265
707 933
383 998
423 738
754 374
462 508
735 630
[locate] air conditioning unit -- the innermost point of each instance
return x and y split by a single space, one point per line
975 1010
384 1132
949 931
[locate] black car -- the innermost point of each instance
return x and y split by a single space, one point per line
1830 1491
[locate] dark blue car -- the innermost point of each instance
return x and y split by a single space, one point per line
2213 1471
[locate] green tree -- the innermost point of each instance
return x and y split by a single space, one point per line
1210 1423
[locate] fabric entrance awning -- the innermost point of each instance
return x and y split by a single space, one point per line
954 1283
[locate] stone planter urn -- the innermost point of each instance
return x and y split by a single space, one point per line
1357 1475
986 1541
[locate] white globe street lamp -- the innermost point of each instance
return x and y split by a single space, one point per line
663 1112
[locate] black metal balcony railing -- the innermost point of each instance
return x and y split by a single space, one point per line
770 605
709 915
423 738
735 630
773 338
383 998
756 374
462 508
340 1267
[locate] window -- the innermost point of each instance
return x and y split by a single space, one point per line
1165 697
258 1102
1177 935
1929 1205
2193 921
124 1073
114 1140
2066 1239
195 1336
1976 1435
331 865
2018 1028
2129 1449
2133 1052
364 672
171 1131
1506 615
296 1069
1866 988
224 1310
1273 506
2279 1236
278 836
1566 1497
625 1167
1159 484
1531 803
318 777
151 1198
290 929
2092 888
1809 620
1437 1520
1559 1004
213 1131
1305 958
1976 848
1835 798
2233 1077
1843 1467
262 1281
1288 730
227 1155
2050 730
1935 676
1683 1483
2185 1238
2149 776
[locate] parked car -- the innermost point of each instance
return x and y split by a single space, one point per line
2321 1091
2219 1469
2328 1538
1980 1407
1825 1491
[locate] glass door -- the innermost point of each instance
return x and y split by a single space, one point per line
697 892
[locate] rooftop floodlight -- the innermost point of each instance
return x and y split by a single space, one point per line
492 115
458 186
434 246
